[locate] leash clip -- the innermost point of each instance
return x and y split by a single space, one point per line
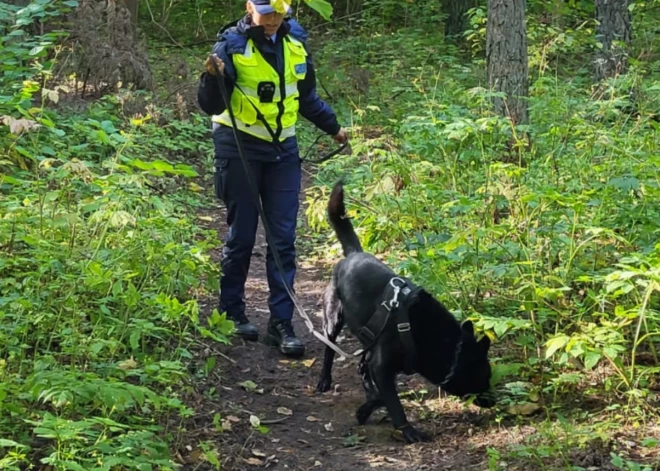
394 302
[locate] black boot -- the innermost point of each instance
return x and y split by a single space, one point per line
244 328
281 334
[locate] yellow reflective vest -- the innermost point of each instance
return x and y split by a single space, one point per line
255 77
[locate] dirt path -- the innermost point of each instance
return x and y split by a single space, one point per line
321 432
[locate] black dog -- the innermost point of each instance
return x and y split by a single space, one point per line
402 327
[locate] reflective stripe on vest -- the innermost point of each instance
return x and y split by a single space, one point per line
251 70
256 130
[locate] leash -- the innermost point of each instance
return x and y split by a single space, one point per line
269 237
325 157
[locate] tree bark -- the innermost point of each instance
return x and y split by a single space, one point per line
133 7
456 21
506 57
614 33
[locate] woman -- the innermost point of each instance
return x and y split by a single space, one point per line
269 76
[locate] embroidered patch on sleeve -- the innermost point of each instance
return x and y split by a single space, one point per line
301 68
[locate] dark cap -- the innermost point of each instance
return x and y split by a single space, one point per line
265 7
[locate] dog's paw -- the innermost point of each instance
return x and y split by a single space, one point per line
365 410
412 435
324 385
363 413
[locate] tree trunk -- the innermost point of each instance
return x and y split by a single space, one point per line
133 7
614 33
506 57
456 21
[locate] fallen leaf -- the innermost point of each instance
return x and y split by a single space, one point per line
284 411
17 126
352 440
254 421
127 364
526 408
329 427
248 385
258 453
51 94
311 418
233 418
180 459
309 363
205 218
47 163
254 462
195 456
226 425
196 188
317 464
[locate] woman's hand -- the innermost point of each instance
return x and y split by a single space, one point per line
341 136
209 65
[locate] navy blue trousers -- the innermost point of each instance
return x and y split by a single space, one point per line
279 187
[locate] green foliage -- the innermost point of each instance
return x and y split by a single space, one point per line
322 7
545 235
99 273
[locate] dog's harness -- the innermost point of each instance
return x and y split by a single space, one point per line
398 296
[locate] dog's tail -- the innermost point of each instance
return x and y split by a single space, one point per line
340 221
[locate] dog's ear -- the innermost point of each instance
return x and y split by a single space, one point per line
467 327
484 343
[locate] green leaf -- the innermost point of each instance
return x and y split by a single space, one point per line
555 344
501 328
36 50
186 170
263 429
162 166
591 359
73 466
617 460
651 442
322 7
279 6
135 339
611 352
4 443
248 385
